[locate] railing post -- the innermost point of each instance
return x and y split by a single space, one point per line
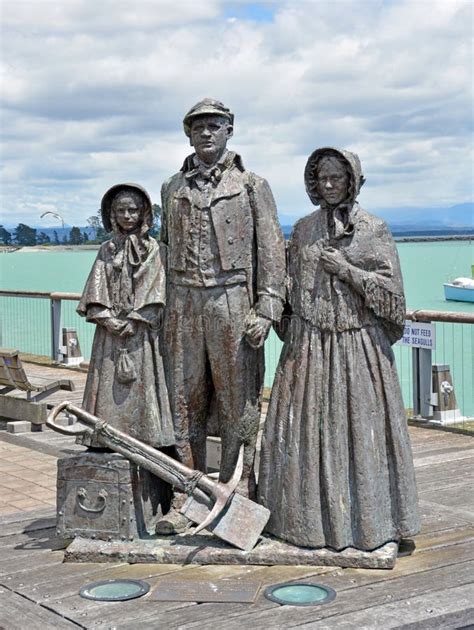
55 329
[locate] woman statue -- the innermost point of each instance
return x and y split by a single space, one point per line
336 467
124 295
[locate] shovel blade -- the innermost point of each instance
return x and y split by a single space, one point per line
240 523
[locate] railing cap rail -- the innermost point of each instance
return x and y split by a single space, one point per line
58 295
456 317
418 315
52 295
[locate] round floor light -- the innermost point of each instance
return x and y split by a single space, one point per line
114 590
300 594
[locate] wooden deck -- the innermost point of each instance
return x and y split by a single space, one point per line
433 588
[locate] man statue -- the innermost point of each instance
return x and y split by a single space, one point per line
226 266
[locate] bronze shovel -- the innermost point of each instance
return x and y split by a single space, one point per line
213 505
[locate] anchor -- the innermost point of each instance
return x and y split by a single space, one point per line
212 504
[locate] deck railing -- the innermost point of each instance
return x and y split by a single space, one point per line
32 322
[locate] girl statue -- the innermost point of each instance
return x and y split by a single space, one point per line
336 467
125 295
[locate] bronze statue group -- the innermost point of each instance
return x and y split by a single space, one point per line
181 325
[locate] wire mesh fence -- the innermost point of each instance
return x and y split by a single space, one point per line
454 348
26 325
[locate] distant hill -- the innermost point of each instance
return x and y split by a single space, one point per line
460 215
458 219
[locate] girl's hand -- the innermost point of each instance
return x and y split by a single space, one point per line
129 329
113 325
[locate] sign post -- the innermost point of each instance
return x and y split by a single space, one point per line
421 337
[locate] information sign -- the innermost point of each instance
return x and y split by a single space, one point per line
418 335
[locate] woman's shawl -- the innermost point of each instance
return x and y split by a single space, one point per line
372 289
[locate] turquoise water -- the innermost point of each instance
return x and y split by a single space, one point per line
425 266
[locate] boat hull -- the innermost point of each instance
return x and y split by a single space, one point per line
458 294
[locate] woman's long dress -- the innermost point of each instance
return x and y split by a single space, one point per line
336 466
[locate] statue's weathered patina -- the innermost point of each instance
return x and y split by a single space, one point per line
226 286
336 467
125 295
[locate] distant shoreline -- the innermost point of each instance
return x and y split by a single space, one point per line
422 239
399 238
48 248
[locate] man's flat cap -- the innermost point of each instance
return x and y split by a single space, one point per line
206 107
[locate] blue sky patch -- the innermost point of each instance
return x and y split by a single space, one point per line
254 11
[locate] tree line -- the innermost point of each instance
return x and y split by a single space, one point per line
25 235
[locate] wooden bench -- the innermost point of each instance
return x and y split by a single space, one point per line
13 377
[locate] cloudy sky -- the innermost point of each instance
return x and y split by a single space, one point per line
94 92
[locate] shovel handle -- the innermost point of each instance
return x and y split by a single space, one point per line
76 429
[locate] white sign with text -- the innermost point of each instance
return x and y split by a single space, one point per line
418 335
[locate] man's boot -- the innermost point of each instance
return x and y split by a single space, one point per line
173 522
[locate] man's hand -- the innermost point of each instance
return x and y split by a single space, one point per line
334 262
257 330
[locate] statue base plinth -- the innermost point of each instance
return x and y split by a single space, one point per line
204 549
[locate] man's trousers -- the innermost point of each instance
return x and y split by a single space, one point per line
208 359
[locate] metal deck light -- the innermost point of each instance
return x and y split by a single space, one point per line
300 594
114 590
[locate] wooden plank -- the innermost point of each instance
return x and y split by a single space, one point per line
267 575
452 512
148 611
439 609
44 583
139 613
424 438
17 613
356 581
23 519
29 551
454 620
435 517
370 597
88 612
460 497
443 475
91 613
60 582
446 457
30 525
26 539
446 537
442 449
17 564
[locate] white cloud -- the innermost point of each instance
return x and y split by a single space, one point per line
94 93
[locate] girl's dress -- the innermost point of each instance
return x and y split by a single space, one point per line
126 383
